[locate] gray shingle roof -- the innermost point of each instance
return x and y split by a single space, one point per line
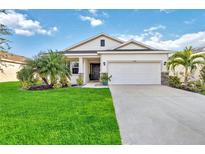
201 49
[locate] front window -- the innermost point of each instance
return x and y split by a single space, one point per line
75 67
102 43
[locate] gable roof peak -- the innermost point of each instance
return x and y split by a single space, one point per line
94 37
135 42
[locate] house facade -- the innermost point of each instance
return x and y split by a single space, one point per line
129 62
10 64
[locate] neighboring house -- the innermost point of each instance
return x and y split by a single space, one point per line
129 62
200 50
9 65
179 70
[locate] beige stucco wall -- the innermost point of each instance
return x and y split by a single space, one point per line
133 57
9 71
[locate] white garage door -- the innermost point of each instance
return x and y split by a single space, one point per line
135 72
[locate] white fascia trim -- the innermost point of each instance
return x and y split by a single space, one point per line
80 54
91 38
133 52
135 61
83 56
12 61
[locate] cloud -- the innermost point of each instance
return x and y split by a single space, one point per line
93 12
93 21
155 39
167 11
23 32
149 34
189 22
105 14
94 17
22 25
195 39
154 28
127 37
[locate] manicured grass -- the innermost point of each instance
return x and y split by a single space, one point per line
60 116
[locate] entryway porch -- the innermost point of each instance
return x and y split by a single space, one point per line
87 67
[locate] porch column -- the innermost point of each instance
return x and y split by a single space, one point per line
86 70
81 70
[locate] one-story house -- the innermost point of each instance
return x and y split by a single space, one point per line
10 64
129 62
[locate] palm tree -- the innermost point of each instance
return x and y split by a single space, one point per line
53 65
187 59
37 66
50 67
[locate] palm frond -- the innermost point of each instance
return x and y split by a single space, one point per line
196 56
179 55
198 62
175 62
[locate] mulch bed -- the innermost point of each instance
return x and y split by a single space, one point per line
40 87
43 87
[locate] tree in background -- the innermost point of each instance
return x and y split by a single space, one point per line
26 76
4 30
4 46
188 60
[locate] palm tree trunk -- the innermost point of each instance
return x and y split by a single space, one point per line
186 77
53 80
46 82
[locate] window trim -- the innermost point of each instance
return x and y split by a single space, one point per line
74 67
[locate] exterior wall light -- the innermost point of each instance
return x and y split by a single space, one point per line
165 63
104 63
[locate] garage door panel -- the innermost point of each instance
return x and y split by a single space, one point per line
135 73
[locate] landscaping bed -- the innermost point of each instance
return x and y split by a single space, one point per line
185 77
193 86
57 116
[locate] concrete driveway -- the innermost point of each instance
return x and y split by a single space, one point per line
159 115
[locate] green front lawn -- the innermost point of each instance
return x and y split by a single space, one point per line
60 116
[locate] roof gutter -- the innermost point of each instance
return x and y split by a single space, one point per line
81 54
133 52
12 61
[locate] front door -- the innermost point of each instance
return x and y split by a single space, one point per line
94 71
